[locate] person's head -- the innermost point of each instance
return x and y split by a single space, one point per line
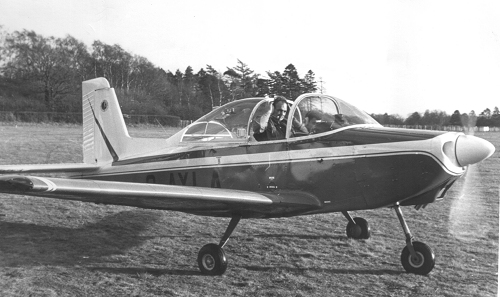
311 118
280 107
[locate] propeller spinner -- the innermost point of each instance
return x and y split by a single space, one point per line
471 149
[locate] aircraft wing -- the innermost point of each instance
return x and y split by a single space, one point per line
47 168
196 200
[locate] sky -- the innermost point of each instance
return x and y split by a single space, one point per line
381 56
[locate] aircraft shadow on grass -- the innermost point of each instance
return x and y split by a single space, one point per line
146 270
329 271
160 272
304 236
33 245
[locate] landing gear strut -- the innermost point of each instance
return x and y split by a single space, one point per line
211 257
357 228
416 257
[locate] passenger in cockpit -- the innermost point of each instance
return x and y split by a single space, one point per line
311 119
318 122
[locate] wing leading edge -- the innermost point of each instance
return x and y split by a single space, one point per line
196 200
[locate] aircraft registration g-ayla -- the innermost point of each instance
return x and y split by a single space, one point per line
215 167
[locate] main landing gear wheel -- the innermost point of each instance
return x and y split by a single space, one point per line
422 263
357 228
212 260
211 257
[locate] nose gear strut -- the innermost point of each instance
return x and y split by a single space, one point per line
416 257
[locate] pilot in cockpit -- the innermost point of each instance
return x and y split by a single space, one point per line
273 123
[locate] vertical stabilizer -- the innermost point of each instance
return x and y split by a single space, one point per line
105 136
104 131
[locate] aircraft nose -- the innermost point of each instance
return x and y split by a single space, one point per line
470 149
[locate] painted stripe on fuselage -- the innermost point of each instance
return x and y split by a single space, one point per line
182 165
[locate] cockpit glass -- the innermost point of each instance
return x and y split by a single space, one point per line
354 115
231 122
317 114
321 114
227 123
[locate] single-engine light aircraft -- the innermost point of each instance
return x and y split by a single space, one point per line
345 161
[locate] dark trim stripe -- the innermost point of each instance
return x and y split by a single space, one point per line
106 140
285 161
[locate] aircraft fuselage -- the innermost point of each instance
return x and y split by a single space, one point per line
358 168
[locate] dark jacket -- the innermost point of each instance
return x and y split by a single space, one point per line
274 130
277 130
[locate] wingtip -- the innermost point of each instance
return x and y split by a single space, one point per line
15 183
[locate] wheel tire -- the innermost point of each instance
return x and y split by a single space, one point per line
423 264
360 230
212 260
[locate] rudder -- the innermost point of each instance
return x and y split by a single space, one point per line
104 131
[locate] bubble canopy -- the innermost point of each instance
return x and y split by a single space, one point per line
235 122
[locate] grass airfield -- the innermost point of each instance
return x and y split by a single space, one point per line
52 247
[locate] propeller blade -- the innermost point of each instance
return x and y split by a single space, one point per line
468 209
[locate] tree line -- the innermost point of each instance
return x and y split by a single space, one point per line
437 118
45 74
39 73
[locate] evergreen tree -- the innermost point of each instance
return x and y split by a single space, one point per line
486 113
495 117
292 82
413 119
309 83
276 84
216 81
456 119
241 81
188 85
289 84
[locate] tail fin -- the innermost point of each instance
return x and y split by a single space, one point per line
105 136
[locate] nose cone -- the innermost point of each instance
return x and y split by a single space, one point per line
470 149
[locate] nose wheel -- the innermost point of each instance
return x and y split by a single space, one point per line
423 261
416 257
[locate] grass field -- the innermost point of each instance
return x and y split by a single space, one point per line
53 247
